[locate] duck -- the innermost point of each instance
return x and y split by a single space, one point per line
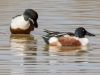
67 38
25 23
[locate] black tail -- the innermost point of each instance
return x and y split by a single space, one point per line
45 39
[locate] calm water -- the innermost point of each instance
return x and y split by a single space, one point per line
28 54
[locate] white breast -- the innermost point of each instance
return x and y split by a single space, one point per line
84 41
19 22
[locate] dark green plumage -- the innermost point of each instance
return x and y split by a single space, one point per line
33 15
46 38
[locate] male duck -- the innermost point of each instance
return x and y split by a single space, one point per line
67 39
25 23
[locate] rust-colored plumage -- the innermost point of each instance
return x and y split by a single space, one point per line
69 41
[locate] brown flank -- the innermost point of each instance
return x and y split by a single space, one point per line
69 41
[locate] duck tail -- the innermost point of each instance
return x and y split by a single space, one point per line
45 39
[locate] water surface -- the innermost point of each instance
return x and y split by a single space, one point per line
28 54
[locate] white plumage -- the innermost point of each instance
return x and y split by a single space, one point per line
53 39
19 22
83 41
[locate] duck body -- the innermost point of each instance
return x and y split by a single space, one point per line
25 23
77 39
66 41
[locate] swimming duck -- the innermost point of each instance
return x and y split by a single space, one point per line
67 39
25 23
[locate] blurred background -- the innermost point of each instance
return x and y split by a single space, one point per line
28 54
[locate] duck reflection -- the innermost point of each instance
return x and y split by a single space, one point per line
68 51
23 48
22 42
62 55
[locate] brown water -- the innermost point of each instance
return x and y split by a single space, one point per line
28 54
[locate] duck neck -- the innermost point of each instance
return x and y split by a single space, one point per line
25 17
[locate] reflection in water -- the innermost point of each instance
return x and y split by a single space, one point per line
23 45
64 59
67 51
22 42
70 53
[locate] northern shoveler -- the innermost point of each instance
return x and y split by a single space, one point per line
67 39
25 23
